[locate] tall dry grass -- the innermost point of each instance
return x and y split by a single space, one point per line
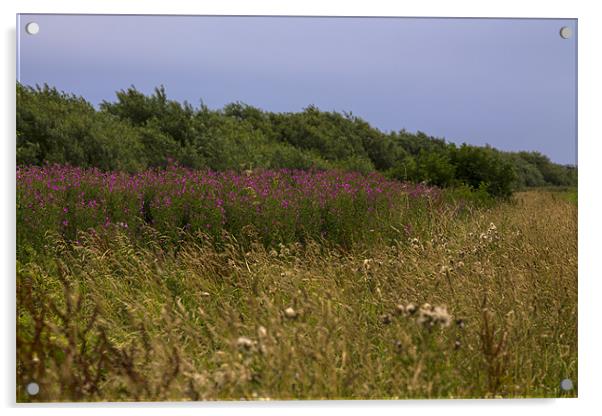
114 320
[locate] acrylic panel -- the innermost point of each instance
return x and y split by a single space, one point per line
283 208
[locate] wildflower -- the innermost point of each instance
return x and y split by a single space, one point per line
290 313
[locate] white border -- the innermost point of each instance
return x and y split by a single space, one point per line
590 134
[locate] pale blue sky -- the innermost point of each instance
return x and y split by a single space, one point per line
507 82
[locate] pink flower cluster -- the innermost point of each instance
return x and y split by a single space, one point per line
281 204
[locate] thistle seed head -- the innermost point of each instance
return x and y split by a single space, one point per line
290 313
400 309
244 343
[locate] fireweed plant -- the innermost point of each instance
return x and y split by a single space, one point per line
278 206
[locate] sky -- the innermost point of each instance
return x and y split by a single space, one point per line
510 83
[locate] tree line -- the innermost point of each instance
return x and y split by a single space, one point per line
138 131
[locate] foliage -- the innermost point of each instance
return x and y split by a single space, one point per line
140 131
478 166
55 127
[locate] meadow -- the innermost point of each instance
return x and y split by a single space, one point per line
180 284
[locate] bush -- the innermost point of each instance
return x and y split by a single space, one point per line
484 167
138 131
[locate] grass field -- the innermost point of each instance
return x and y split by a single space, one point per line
480 304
